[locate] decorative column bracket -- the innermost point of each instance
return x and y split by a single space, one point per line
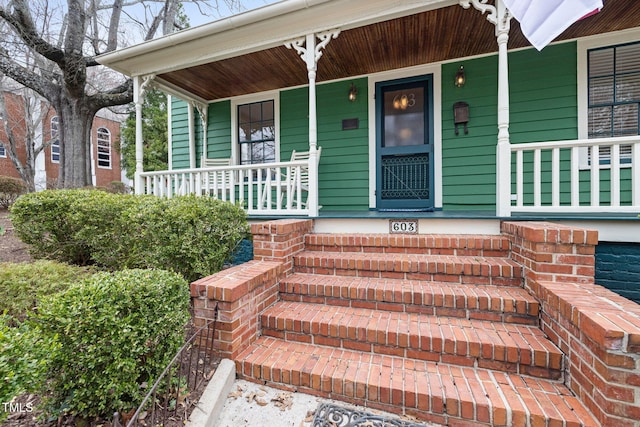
498 16
309 50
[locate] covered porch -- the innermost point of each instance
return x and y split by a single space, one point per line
300 44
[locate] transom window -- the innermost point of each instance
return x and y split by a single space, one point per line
104 148
614 95
55 140
256 133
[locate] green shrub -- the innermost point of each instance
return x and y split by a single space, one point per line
24 359
42 220
115 333
23 285
10 190
193 236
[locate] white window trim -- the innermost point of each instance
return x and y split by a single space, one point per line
583 46
3 152
98 149
436 71
57 138
249 99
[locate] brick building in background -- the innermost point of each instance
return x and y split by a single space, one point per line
105 159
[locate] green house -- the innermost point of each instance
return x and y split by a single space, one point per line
429 116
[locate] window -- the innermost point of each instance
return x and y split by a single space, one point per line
256 133
3 152
55 141
104 148
614 96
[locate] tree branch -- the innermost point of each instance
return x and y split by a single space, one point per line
22 23
24 76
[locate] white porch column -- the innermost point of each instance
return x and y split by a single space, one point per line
311 51
192 135
204 114
139 87
499 16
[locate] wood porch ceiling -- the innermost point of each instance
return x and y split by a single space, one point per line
437 35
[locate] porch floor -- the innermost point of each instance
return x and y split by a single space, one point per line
459 214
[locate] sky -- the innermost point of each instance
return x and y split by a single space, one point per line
197 18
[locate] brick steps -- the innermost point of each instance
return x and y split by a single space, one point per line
444 268
438 392
500 346
497 303
434 326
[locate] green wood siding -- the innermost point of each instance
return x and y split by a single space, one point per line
543 107
219 130
344 163
179 133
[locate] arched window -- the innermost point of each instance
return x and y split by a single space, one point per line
55 140
104 148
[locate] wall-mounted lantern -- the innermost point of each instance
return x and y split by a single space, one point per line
460 77
353 93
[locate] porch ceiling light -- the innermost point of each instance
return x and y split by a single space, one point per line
353 93
460 77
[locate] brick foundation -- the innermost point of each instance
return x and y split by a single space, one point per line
598 330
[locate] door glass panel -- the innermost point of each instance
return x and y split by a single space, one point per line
404 117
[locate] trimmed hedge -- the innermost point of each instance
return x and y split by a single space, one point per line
112 335
193 236
23 285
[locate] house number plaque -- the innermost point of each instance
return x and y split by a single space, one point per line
403 226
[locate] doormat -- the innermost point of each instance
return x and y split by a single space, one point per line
329 415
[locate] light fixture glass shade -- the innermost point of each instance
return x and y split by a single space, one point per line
460 77
353 93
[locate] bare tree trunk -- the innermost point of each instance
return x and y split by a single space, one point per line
75 120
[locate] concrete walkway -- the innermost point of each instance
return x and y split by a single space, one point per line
254 405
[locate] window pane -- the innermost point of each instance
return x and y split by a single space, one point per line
628 87
627 58
244 115
601 91
256 112
601 63
625 120
600 122
267 110
404 117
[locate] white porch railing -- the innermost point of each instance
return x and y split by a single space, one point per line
264 189
559 176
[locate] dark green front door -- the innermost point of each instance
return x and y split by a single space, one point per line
404 157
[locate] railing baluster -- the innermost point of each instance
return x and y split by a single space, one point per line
555 176
635 174
537 187
614 186
519 178
575 176
595 175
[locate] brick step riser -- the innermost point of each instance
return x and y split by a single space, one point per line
415 251
468 279
513 352
491 312
463 245
434 392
